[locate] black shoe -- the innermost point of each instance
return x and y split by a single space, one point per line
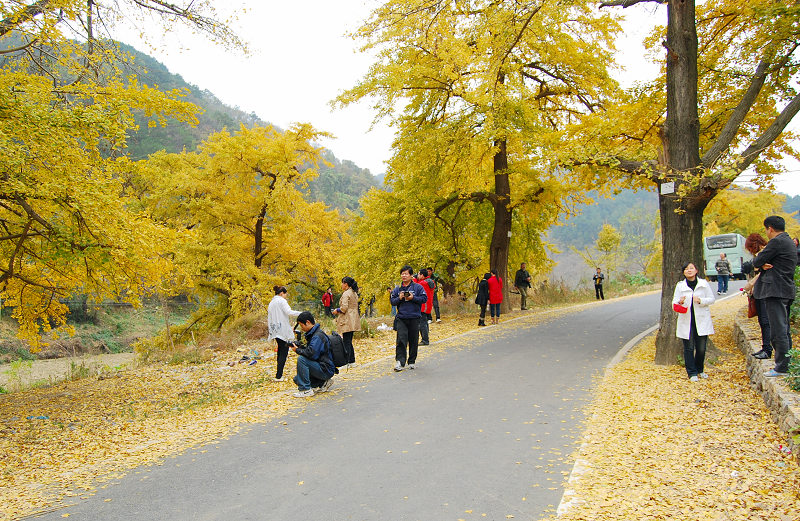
424 343
481 323
762 355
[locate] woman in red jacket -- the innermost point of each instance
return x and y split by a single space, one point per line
495 296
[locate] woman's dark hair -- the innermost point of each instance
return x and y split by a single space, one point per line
407 268
686 265
494 272
279 289
754 242
350 281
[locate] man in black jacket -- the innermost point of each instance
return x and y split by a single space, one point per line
522 280
777 261
409 298
315 367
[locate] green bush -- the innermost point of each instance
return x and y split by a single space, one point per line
794 369
638 279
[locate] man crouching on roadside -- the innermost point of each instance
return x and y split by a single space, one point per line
315 367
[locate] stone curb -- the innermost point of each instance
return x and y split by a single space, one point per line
783 403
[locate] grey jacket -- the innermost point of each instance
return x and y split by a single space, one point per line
778 281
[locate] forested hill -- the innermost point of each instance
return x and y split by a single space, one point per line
581 230
339 185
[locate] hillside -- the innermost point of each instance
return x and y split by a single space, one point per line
339 184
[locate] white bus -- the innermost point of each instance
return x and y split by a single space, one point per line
732 245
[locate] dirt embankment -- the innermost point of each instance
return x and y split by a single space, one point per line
24 374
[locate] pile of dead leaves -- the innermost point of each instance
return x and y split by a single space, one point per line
658 446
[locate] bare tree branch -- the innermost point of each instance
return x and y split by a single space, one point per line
747 157
15 20
628 3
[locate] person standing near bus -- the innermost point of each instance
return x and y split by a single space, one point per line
723 268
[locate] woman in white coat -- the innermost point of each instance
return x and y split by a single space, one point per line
694 324
280 327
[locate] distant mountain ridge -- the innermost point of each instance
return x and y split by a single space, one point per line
339 185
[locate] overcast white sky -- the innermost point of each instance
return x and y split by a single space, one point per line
301 59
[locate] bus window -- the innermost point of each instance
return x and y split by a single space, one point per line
719 242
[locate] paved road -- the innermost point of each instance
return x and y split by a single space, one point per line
485 428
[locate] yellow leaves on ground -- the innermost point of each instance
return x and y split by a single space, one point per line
83 433
658 446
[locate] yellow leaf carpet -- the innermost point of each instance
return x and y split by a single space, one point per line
658 446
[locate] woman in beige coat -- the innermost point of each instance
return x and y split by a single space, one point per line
347 317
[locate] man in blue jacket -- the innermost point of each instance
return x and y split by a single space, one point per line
315 367
408 297
775 286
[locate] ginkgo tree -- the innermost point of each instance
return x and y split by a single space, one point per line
721 107
242 223
474 89
65 225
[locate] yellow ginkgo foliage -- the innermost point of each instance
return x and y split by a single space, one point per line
243 223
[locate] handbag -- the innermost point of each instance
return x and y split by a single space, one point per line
752 309
679 308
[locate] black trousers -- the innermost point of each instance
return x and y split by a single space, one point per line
424 331
283 353
598 291
347 338
407 335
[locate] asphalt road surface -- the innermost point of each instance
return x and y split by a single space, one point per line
481 431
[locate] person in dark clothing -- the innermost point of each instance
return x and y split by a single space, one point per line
315 367
433 280
408 297
522 281
482 298
754 244
427 307
723 267
598 284
775 285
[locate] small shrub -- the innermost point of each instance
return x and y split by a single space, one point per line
77 371
638 279
794 369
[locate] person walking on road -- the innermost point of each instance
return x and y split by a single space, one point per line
723 268
482 298
775 285
522 281
598 284
495 296
280 327
409 298
347 319
691 300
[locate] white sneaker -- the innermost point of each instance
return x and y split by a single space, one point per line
304 394
438 320
324 388
694 379
703 375
411 366
397 366
281 379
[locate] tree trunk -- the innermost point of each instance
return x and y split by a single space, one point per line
501 240
681 218
259 236
682 238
